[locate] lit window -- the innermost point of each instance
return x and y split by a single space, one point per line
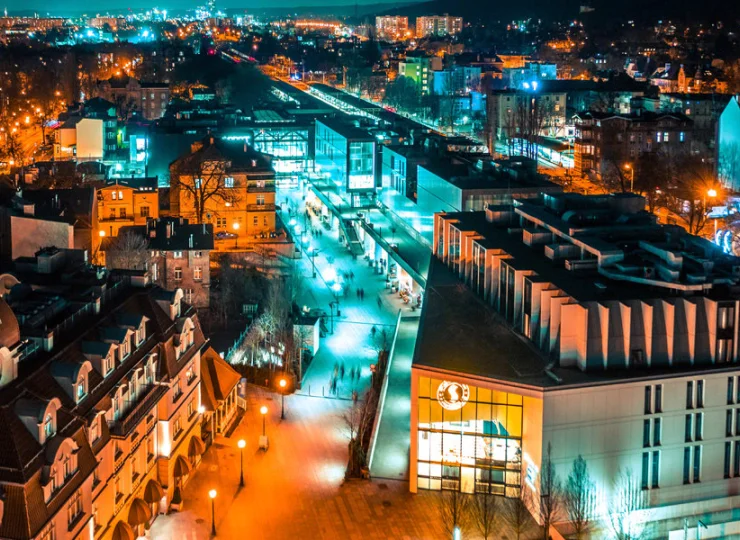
48 426
229 182
197 273
80 389
177 254
178 273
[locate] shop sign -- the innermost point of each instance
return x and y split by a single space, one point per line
453 395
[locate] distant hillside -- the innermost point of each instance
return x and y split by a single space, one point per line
605 10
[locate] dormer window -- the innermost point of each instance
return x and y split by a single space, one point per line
81 390
140 334
49 426
107 364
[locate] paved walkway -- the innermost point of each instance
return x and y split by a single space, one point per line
390 457
295 489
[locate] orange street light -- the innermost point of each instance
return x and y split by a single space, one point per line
712 192
212 495
101 233
241 444
263 412
236 233
283 383
628 167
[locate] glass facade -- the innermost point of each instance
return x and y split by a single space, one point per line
349 164
361 165
469 438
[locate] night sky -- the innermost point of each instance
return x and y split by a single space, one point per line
76 7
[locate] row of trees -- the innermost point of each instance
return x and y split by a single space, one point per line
681 184
573 501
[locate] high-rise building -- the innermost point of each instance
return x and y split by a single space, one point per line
585 330
392 27
438 25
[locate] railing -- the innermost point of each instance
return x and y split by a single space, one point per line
268 188
260 208
134 416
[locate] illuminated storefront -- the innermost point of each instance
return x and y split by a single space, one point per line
468 438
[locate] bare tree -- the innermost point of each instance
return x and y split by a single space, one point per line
515 514
580 498
128 251
550 494
688 196
628 500
358 421
202 177
486 510
454 509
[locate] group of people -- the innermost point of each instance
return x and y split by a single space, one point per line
338 375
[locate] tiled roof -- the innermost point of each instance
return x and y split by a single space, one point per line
217 378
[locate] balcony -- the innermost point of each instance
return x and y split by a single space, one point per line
132 417
260 208
267 188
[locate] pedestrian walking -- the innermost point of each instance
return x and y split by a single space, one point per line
341 371
352 375
373 330
380 303
362 294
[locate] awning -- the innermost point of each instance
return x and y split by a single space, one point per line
123 531
196 446
182 467
153 492
139 513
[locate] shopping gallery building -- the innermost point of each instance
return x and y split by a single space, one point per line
580 323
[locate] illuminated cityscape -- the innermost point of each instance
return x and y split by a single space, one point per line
423 270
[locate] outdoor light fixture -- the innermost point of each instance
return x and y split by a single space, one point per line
283 383
712 192
241 444
201 409
212 495
101 233
236 237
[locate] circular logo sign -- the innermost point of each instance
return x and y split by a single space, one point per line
452 395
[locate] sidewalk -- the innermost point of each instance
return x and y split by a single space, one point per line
296 488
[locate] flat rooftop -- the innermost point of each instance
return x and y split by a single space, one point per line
459 333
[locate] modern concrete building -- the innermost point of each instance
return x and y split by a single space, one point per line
99 400
594 330
81 139
345 155
392 27
436 25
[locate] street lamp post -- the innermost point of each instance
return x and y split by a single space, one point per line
236 234
212 495
283 384
241 444
631 170
711 193
263 412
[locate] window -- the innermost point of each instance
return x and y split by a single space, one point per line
197 254
122 213
700 394
229 182
198 182
48 426
665 136
191 407
728 457
645 469
697 464
657 432
120 195
221 223
188 295
144 211
74 510
646 433
736 464
197 273
81 389
658 137
94 430
655 472
190 373
688 431
255 221
699 426
648 400
658 398
178 273
730 390
260 200
177 254
682 136
737 422
687 465
177 428
176 390
114 195
728 424
690 395
108 364
49 533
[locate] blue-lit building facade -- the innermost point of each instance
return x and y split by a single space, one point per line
345 156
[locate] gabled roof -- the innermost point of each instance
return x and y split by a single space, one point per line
217 379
